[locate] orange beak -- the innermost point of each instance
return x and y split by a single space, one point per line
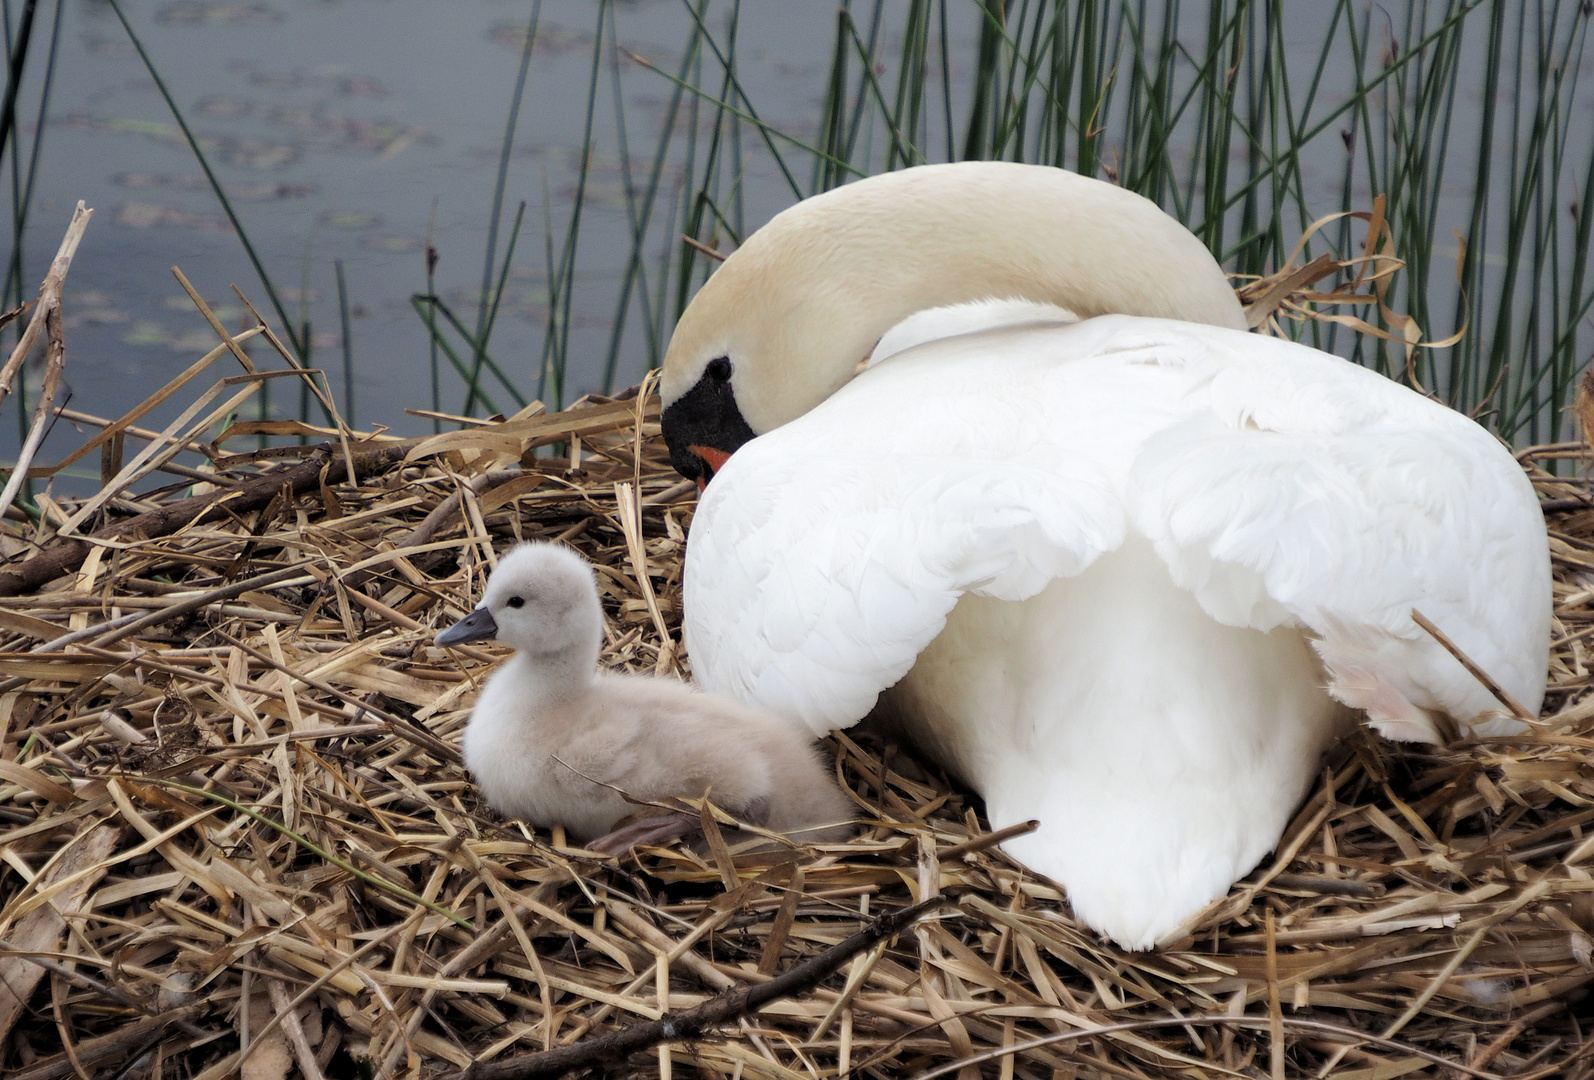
714 459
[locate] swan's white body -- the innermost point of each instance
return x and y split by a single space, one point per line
1128 576
1122 575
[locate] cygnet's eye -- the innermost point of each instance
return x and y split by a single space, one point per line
719 369
515 601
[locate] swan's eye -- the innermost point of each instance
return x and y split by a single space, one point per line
719 369
515 601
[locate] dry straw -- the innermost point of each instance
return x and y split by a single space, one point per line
238 839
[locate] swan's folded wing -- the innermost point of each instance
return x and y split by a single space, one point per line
827 554
1281 486
1313 492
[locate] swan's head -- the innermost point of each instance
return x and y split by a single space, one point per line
795 311
541 600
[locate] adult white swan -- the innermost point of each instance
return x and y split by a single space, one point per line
1120 573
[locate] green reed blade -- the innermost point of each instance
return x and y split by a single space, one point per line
300 345
347 335
495 216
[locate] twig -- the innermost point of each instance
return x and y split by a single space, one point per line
117 629
114 1046
11 316
991 839
670 494
1473 669
58 643
1330 886
1555 506
47 313
1512 1033
698 245
692 1023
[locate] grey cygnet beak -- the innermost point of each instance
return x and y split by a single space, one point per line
477 626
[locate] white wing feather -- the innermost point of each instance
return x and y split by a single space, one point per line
1281 485
1335 499
826 554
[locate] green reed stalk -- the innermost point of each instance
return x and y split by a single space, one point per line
298 342
495 217
347 335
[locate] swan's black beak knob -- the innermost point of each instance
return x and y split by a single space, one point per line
704 426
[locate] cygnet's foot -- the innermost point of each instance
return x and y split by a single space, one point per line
652 830
662 829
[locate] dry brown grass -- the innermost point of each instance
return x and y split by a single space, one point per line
232 813
162 793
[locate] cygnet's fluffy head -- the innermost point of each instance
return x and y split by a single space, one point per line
541 600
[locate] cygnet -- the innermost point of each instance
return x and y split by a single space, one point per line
554 739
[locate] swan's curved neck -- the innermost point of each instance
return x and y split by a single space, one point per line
803 302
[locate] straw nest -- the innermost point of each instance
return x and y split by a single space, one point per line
237 837
234 813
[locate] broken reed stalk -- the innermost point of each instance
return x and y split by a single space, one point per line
49 297
54 360
46 315
1499 692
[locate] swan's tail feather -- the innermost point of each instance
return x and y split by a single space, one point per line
1353 681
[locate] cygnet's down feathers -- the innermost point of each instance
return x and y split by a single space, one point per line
554 740
652 739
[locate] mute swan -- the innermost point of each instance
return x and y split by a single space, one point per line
1124 574
550 730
